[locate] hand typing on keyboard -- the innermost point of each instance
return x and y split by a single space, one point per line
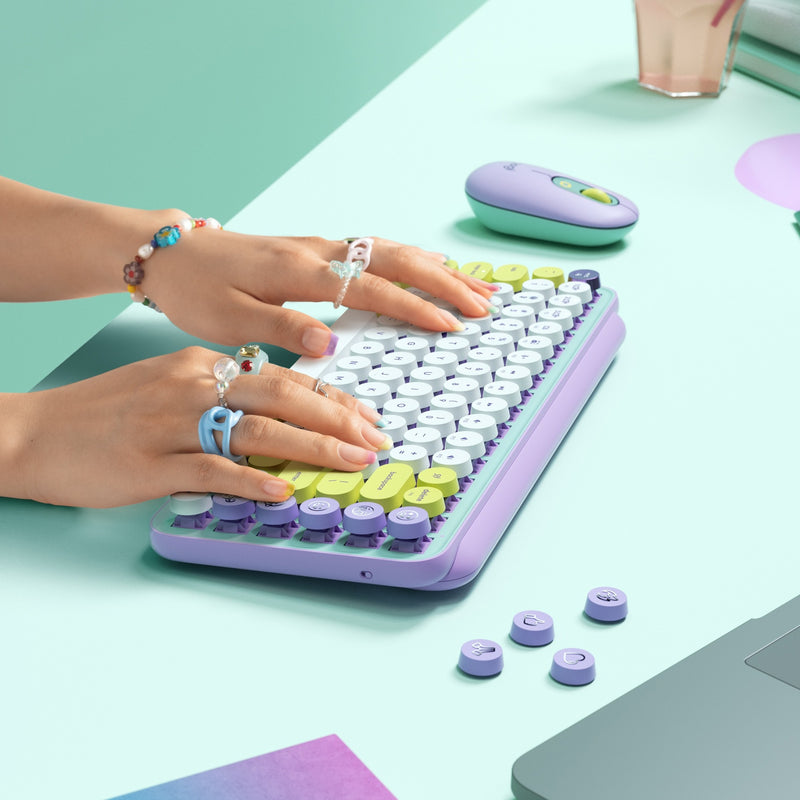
473 416
132 434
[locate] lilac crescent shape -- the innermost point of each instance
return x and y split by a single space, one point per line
771 169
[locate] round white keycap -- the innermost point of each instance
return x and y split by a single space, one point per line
483 424
525 314
433 376
406 407
520 375
429 439
568 302
416 390
468 388
537 344
391 376
552 330
405 362
410 454
440 420
441 358
414 345
475 369
526 358
577 289
431 337
495 407
457 345
457 460
374 351
379 393
360 366
534 300
500 341
515 328
505 390
503 295
490 356
540 286
472 332
469 441
346 381
481 323
385 336
456 404
560 316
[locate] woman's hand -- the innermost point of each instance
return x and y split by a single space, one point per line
229 287
132 434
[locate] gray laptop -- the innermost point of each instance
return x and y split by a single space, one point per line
723 723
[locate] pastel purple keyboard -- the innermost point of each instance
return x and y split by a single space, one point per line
475 417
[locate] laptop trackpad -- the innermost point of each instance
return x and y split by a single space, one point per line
781 659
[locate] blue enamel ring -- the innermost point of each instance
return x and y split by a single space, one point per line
222 420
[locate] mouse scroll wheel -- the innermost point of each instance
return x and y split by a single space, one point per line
597 194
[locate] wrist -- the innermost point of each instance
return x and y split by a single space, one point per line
14 468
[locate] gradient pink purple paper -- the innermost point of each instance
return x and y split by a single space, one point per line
322 769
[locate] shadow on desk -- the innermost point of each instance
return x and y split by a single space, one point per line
478 236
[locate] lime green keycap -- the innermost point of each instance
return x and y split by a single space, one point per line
477 269
343 487
430 500
387 485
515 274
552 274
304 477
267 463
442 478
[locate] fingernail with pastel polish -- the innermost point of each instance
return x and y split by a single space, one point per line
376 438
319 341
450 321
276 490
357 456
380 422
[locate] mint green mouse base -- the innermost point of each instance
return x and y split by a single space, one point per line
531 227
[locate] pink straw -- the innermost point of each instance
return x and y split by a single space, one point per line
723 9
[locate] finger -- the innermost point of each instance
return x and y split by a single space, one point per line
261 436
215 474
286 395
372 292
256 320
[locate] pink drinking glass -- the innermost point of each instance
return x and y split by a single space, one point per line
686 47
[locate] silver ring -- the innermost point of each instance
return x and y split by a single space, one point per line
318 387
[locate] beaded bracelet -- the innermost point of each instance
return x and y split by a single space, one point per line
133 272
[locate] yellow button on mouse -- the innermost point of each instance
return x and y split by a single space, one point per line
597 194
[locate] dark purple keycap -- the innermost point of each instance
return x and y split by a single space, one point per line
364 519
573 667
319 513
532 628
277 514
481 658
589 276
408 523
606 604
228 506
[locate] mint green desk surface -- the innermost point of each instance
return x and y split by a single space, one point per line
677 484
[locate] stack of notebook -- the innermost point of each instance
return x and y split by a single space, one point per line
769 48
